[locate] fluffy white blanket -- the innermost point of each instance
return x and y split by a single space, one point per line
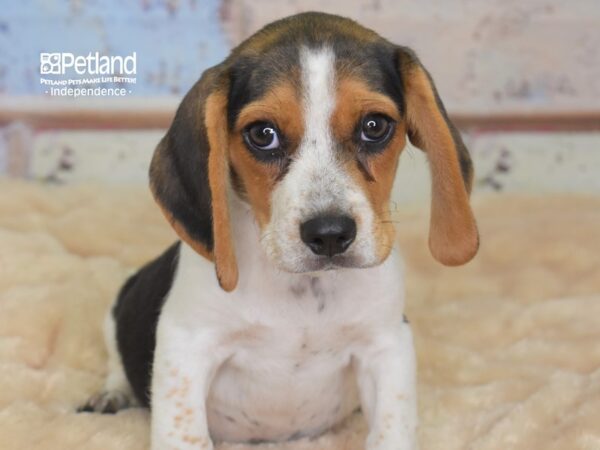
508 346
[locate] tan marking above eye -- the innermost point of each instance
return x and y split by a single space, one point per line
281 106
354 100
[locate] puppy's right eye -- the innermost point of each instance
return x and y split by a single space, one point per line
263 138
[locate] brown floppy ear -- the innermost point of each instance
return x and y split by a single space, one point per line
189 174
453 236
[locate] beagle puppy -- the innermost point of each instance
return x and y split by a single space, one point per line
280 311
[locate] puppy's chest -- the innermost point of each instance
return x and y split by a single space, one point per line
303 331
294 348
283 382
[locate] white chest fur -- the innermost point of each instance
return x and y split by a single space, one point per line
286 340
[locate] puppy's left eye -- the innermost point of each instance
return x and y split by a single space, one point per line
375 128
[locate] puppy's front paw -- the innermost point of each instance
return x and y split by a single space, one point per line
106 402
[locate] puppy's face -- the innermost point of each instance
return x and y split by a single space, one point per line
307 119
315 152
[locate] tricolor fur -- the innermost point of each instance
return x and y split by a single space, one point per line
287 340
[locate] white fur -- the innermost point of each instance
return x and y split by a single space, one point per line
288 354
278 357
316 183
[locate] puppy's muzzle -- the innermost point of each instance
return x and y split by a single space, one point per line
328 235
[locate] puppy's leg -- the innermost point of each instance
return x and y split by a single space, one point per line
184 365
387 383
117 393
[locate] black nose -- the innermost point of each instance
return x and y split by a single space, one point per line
328 235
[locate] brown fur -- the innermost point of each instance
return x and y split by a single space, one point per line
453 236
218 175
281 105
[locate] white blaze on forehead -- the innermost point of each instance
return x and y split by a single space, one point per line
318 85
319 180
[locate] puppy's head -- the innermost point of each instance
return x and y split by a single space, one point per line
306 121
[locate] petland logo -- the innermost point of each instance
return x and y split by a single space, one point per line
94 69
92 64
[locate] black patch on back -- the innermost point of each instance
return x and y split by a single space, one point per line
136 314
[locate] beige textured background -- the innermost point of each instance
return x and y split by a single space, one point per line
507 346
